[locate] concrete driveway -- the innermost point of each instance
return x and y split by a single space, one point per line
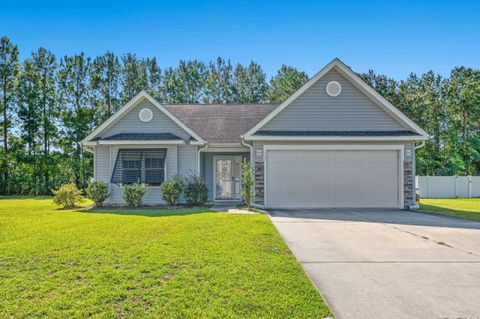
387 263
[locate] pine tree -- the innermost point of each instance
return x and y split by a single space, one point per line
134 77
30 117
464 110
154 78
45 65
219 82
105 82
192 75
384 85
9 69
285 83
77 115
171 89
250 84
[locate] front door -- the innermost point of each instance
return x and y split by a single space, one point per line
227 178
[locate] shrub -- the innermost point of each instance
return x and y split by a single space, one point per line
133 194
98 192
248 178
68 196
172 189
195 190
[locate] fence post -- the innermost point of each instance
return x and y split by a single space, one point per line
455 186
428 186
469 186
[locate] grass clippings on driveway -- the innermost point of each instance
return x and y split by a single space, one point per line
467 208
188 263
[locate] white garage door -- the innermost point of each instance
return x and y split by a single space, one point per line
332 178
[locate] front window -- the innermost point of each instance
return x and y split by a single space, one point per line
146 166
154 168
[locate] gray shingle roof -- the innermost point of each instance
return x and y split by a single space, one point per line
141 137
336 133
221 123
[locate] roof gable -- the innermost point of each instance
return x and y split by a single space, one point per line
315 110
126 120
357 108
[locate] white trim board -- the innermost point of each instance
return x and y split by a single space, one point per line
127 107
348 147
359 83
336 138
353 147
226 150
141 142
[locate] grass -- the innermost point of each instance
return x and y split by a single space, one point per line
467 208
147 264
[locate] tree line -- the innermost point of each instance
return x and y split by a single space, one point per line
448 109
49 104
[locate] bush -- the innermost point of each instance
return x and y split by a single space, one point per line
248 178
68 196
195 190
98 192
133 194
172 189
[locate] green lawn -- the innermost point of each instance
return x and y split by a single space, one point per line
146 264
468 208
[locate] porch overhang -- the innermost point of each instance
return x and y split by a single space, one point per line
226 147
137 139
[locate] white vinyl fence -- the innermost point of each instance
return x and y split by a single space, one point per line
448 186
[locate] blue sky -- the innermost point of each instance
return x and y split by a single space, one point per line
391 37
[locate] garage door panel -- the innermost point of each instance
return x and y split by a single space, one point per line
332 178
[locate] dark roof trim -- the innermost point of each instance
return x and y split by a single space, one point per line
141 137
336 133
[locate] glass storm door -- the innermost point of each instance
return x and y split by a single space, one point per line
227 178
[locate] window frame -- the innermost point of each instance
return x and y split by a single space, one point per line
142 167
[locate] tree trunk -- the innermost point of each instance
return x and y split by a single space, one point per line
45 138
5 136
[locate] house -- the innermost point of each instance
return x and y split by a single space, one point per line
334 143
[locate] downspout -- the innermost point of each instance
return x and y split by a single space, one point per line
416 147
198 157
422 144
242 140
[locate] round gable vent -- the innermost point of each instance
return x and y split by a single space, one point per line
333 88
145 115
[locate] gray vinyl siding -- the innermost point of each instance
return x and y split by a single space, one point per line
102 164
316 110
187 160
160 123
181 160
207 168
